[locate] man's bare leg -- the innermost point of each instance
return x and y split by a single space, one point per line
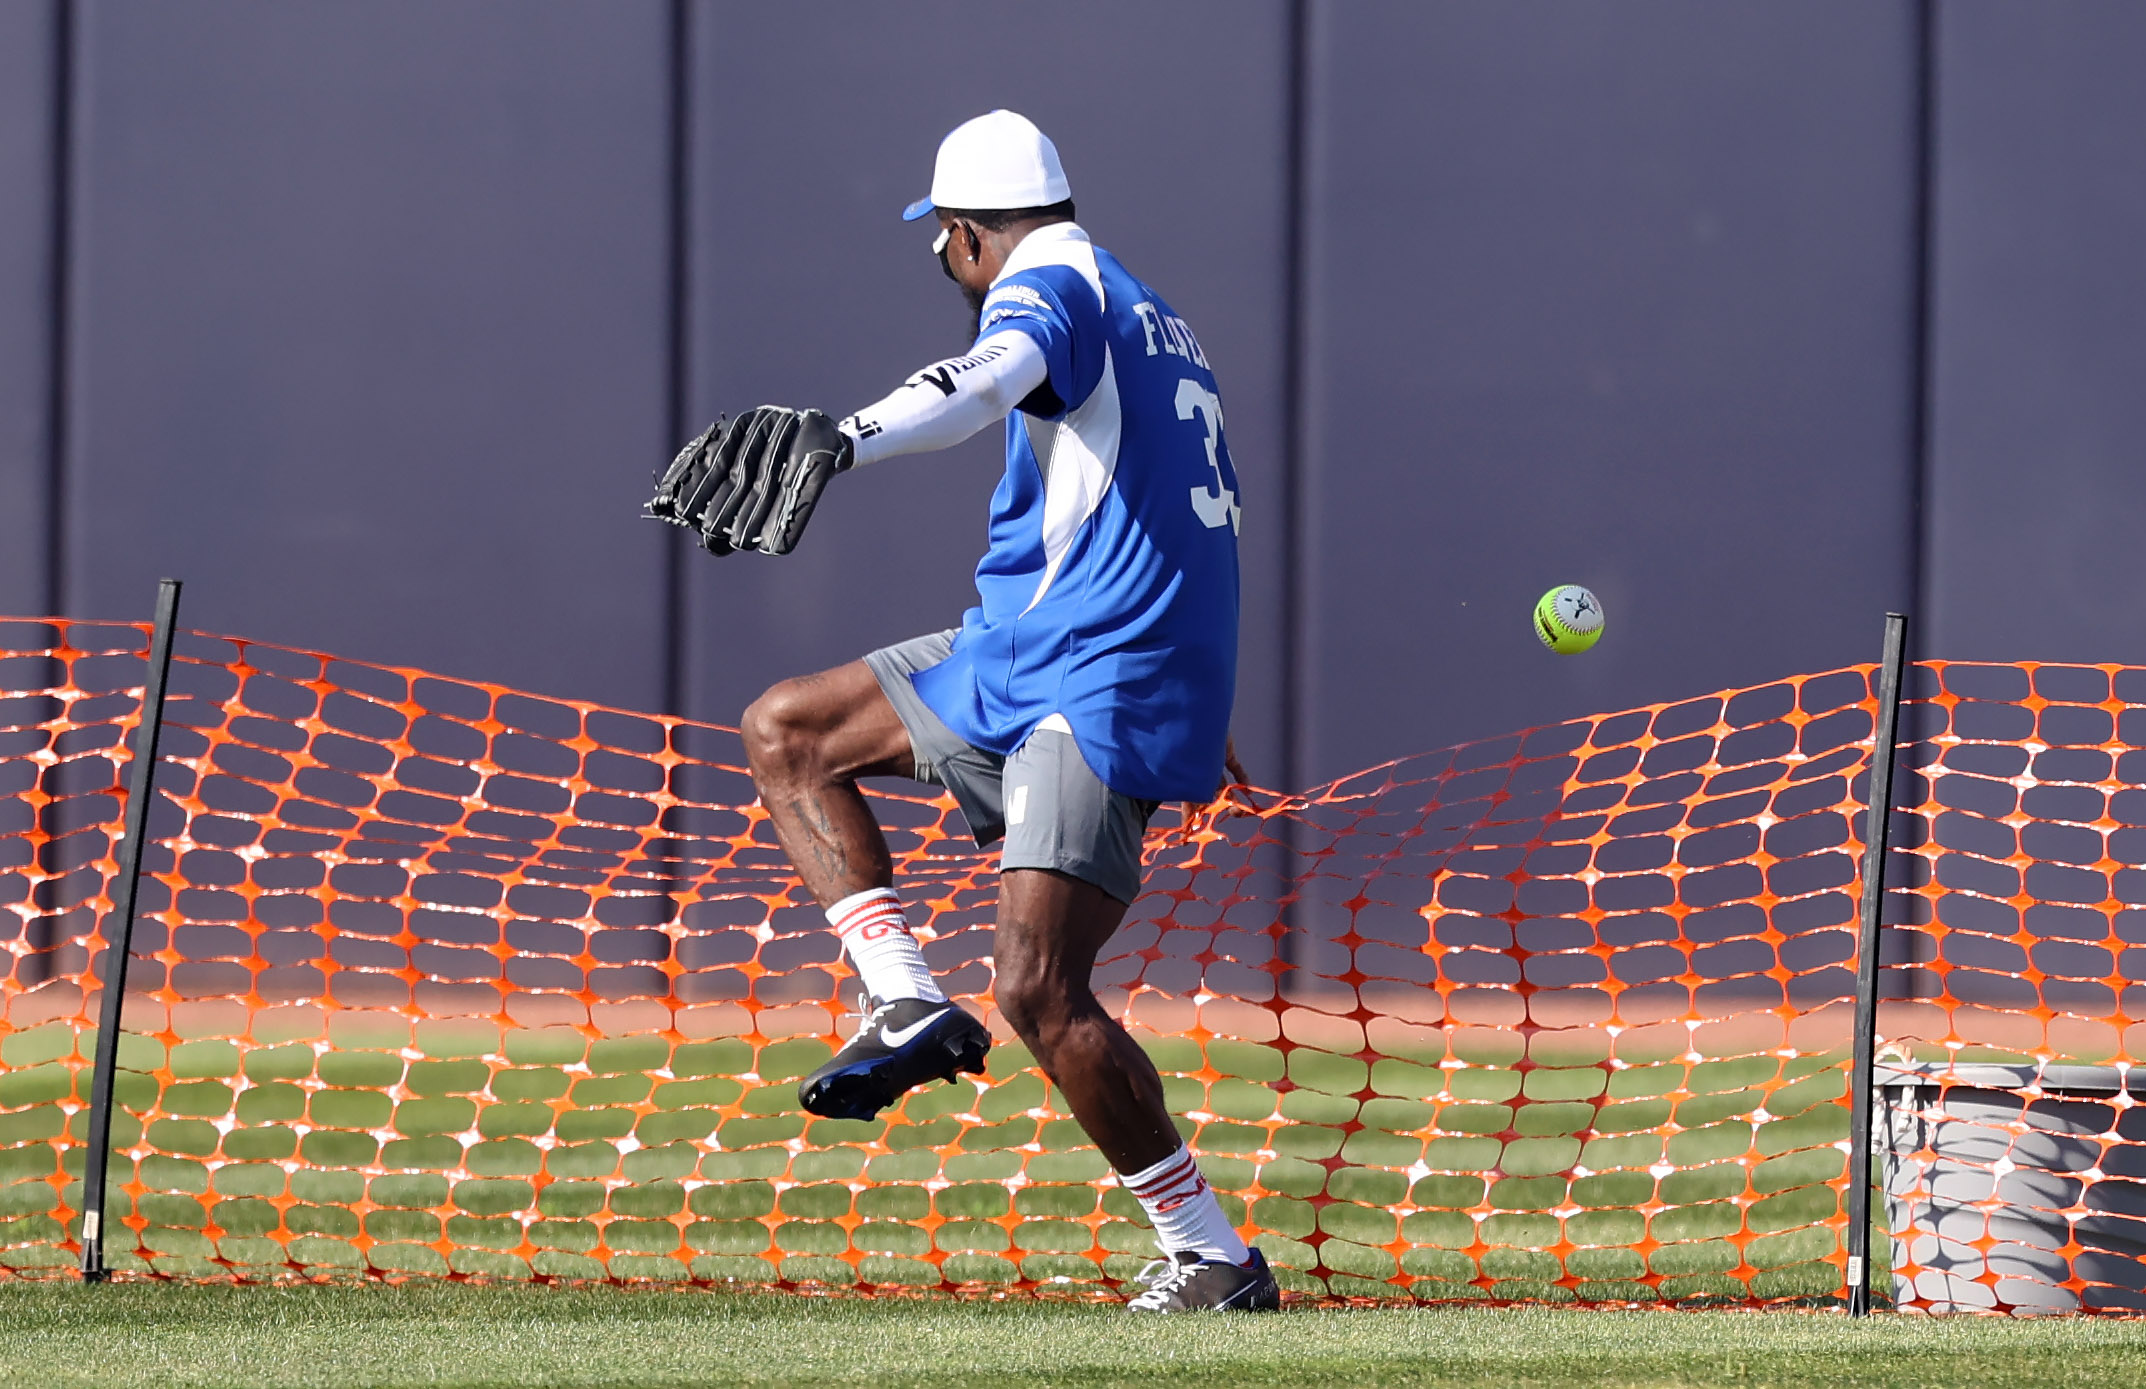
1050 929
807 741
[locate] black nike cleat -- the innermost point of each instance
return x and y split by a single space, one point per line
901 1045
1185 1282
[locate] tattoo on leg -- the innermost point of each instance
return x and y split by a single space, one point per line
820 837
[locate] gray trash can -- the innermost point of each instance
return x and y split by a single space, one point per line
2015 1188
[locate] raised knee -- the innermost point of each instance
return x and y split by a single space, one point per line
777 732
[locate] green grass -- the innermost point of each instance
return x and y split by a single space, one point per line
178 1336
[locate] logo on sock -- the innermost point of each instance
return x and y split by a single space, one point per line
1171 1203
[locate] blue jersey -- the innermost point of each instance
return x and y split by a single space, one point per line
1108 597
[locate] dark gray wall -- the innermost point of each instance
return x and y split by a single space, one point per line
2038 478
29 108
1612 293
370 328
378 317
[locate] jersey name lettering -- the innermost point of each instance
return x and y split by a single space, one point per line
1174 333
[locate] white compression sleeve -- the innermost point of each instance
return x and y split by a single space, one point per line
950 400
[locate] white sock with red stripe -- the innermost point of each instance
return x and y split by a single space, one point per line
875 935
1186 1214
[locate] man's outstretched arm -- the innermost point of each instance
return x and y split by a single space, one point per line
753 483
948 401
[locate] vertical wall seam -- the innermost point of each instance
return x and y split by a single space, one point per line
1922 327
1295 773
59 308
1295 767
678 283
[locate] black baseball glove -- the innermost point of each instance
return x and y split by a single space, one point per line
751 483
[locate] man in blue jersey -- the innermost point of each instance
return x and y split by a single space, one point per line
1092 681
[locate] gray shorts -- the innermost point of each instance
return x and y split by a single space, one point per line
1052 810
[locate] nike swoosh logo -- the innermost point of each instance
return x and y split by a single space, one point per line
902 1037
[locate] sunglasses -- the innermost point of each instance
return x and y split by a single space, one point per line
938 250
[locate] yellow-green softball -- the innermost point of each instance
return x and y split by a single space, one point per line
1568 619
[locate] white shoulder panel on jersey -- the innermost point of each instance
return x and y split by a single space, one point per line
1083 455
1060 243
1079 454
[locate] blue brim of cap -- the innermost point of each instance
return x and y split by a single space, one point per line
922 207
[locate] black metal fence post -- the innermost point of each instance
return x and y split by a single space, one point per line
118 931
1884 749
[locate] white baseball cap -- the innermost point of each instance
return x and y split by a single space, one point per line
999 160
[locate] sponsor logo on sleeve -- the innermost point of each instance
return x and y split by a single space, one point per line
941 374
1006 296
1003 314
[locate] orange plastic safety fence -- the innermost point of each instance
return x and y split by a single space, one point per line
2016 988
435 977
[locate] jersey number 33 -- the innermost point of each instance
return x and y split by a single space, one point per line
1216 506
